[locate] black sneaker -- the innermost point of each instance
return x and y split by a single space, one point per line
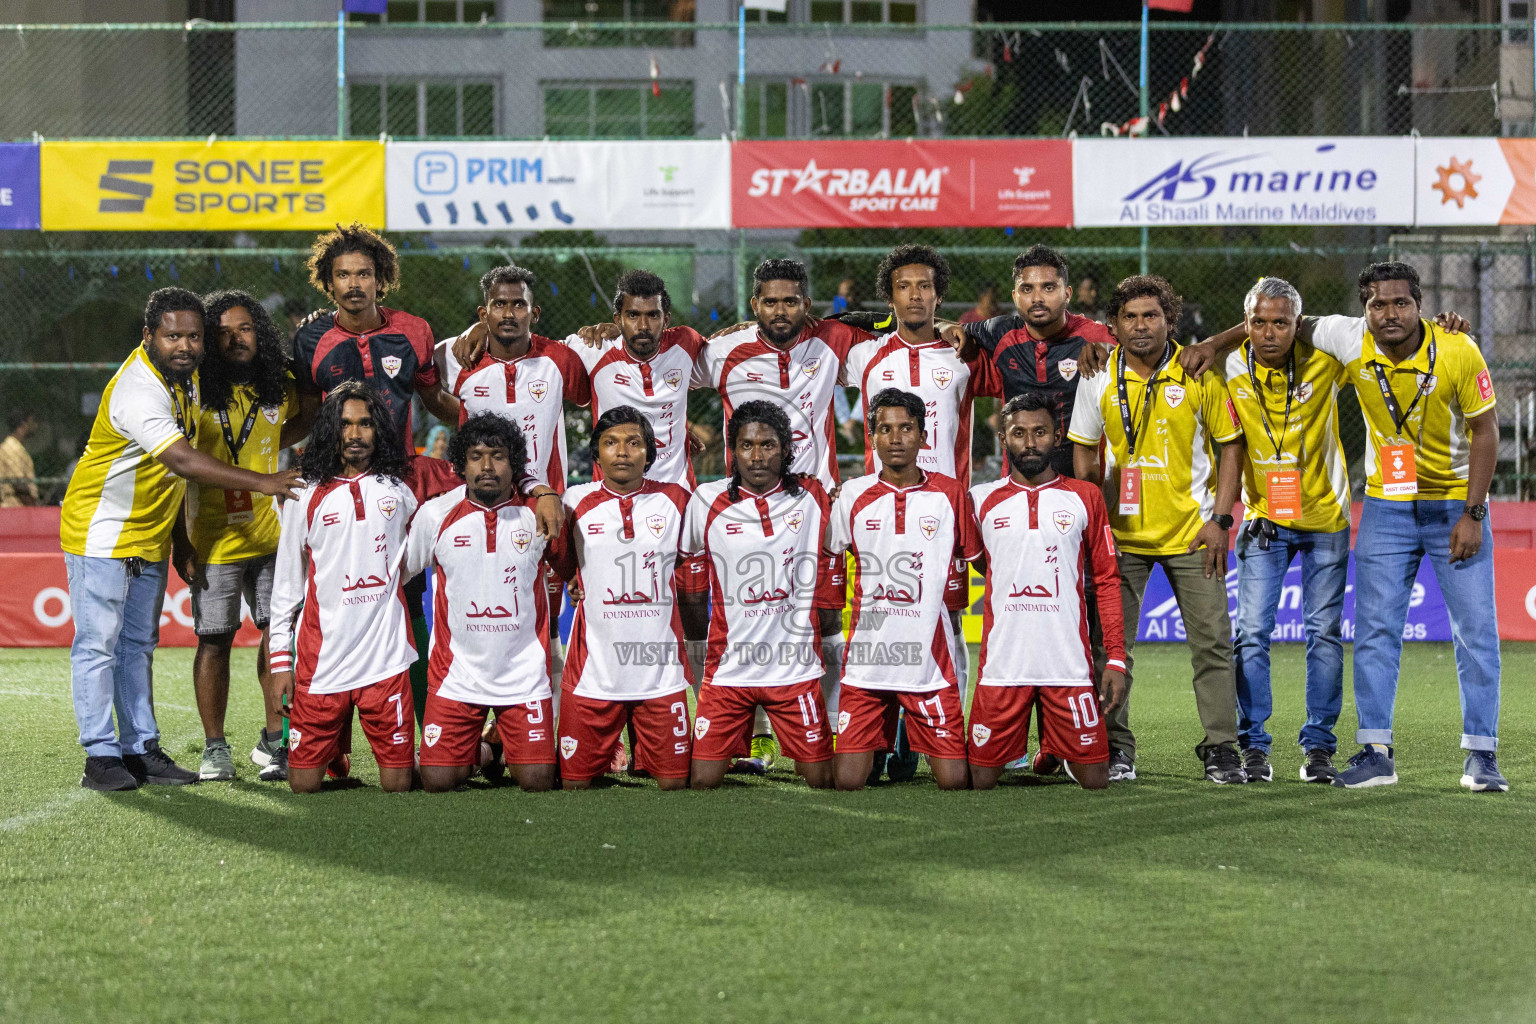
1122 767
1224 767
1256 765
277 768
1319 767
107 775
154 767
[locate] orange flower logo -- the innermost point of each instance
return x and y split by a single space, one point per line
1468 189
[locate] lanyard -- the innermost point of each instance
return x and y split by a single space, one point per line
1400 416
181 419
245 431
1260 393
1147 399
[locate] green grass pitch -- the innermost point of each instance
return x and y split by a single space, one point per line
1166 899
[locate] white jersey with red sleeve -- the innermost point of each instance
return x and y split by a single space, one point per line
1038 542
903 540
744 368
531 392
658 387
339 620
947 385
627 637
490 616
763 552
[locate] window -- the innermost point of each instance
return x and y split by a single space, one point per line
573 12
421 109
406 12
865 12
798 109
767 105
615 110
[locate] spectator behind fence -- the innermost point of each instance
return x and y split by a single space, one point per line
16 462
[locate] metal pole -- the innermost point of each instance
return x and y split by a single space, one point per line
1145 108
341 74
741 70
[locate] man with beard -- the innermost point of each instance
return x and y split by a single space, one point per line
248 406
341 636
115 528
1042 534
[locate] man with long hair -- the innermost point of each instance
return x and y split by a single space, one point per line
341 558
246 417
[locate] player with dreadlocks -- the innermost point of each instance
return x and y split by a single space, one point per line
761 532
341 559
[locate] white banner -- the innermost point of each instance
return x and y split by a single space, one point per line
552 186
1277 180
1476 181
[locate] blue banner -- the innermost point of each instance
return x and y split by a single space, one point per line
20 193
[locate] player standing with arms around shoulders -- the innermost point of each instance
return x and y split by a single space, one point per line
1046 539
904 527
627 656
340 561
490 623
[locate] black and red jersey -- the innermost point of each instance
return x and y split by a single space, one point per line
395 358
1045 367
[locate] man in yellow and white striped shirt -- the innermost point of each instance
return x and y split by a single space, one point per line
122 504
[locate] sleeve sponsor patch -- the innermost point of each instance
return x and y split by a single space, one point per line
1232 415
1484 385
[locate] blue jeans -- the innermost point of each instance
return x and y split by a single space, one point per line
117 625
1260 589
1394 537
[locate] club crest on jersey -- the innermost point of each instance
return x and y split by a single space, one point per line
430 734
842 721
657 524
567 746
700 727
673 379
1067 368
942 376
1428 382
538 389
1303 391
980 734
271 412
795 520
1174 394
388 505
391 364
929 525
521 539
811 366
1064 520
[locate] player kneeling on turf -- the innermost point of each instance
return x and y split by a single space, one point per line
490 616
340 557
627 661
761 531
1044 538
904 526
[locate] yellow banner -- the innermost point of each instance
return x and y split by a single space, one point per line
219 186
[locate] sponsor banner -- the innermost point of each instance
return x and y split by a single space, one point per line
1476 181
1153 182
219 186
35 610
19 206
545 186
902 183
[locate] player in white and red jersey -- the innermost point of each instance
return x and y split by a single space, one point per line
626 664
491 651
761 530
905 527
340 557
1044 535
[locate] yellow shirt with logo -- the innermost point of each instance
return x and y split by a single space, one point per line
233 526
1308 441
122 502
1174 451
1459 388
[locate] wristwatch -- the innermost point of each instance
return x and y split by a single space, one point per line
1225 522
1477 513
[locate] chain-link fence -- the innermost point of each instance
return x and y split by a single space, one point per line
574 77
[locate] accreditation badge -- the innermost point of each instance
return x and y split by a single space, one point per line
1399 474
1130 490
1282 494
238 507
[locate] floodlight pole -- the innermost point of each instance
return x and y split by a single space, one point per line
1146 126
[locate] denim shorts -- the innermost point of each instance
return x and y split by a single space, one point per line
216 598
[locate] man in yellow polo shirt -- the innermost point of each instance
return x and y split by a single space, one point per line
1157 424
249 405
115 529
1432 443
1296 489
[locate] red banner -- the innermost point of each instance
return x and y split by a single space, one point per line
35 609
895 183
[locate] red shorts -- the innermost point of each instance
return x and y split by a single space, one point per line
957 589
389 721
450 733
589 727
831 582
866 721
1071 726
722 725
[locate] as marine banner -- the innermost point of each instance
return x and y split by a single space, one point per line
1475 181
218 186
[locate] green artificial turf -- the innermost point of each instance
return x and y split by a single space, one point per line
1165 899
